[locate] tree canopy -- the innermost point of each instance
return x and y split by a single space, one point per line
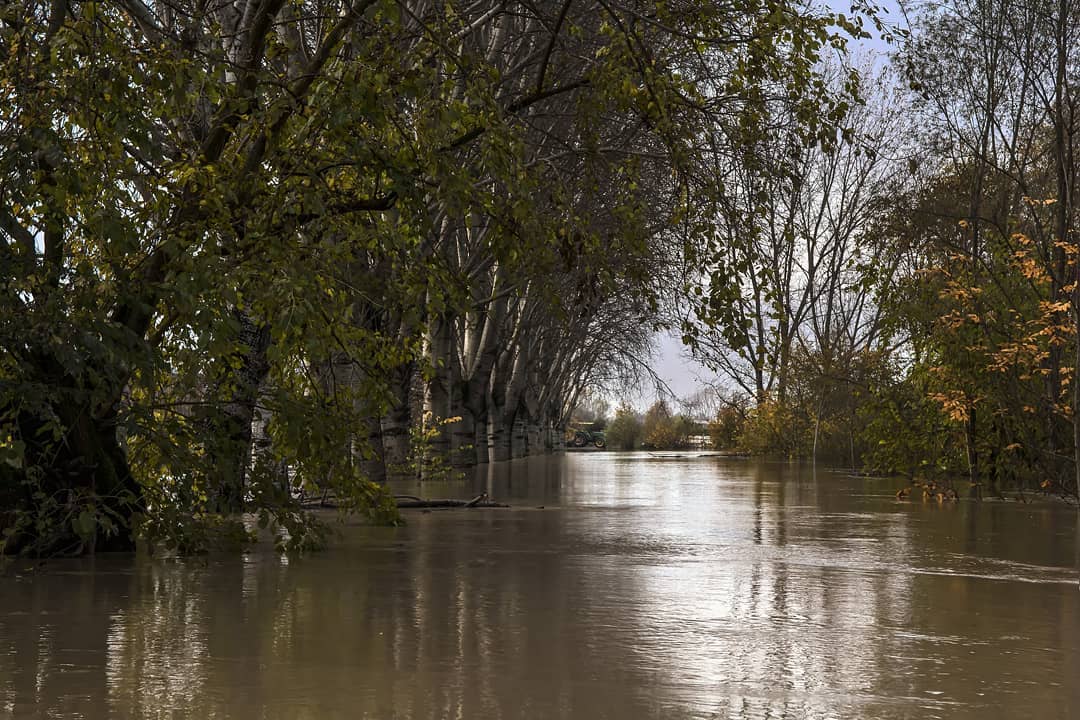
905 299
246 245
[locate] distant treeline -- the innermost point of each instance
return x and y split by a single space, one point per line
907 298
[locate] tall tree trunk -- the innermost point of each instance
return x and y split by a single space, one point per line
437 400
1076 406
534 443
94 443
462 437
972 452
558 437
469 437
229 425
519 439
481 451
368 452
395 424
499 433
974 219
87 468
262 455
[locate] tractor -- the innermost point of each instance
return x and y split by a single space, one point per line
589 437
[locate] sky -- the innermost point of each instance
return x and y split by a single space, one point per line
683 376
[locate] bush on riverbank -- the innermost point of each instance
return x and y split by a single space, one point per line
657 429
624 430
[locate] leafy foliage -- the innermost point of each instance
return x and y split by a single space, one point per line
624 432
228 232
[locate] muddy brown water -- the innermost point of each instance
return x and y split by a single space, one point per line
645 588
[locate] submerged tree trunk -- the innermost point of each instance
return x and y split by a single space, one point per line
972 453
499 434
368 452
534 439
82 492
462 437
556 437
481 451
469 437
263 462
1076 403
95 444
437 390
519 439
395 425
228 426
365 442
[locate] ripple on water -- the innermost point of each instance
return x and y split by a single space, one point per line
682 588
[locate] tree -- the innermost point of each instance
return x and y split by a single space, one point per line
663 430
625 431
240 245
797 323
995 241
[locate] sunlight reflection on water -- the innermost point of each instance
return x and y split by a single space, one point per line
681 588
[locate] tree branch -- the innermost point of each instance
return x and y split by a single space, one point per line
551 45
144 19
516 107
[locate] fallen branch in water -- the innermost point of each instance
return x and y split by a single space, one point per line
409 502
481 500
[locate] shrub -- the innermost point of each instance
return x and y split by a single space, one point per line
624 431
727 428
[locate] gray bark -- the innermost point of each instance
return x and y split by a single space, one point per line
499 434
519 439
395 424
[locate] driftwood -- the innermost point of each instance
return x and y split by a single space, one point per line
481 500
412 502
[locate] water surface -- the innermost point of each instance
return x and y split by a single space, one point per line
643 588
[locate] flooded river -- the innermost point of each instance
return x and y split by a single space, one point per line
645 588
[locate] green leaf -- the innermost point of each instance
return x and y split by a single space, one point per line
84 524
